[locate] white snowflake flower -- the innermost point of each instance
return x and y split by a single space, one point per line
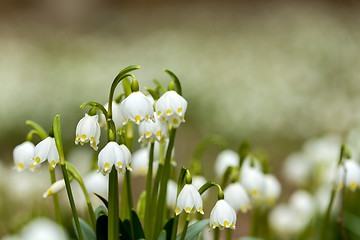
88 129
272 189
236 195
55 188
189 200
171 107
22 155
222 216
225 159
114 154
136 108
150 131
352 175
46 150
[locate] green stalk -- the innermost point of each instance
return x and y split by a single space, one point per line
328 211
163 186
185 226
73 171
55 196
59 146
113 207
254 222
229 234
147 219
154 196
216 234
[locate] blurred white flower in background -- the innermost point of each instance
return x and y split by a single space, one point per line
225 159
236 195
22 155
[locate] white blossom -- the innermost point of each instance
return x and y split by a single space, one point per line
225 159
136 108
55 188
88 129
222 216
150 131
189 200
22 155
352 175
114 154
46 150
236 195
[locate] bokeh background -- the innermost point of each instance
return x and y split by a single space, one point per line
275 73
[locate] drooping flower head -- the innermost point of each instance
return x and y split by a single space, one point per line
171 107
189 200
140 162
222 215
88 129
252 178
236 195
225 159
55 188
136 108
150 131
114 154
22 155
171 193
272 189
117 115
351 169
46 150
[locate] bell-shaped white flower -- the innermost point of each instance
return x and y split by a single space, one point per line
150 131
171 107
252 178
171 193
55 188
117 115
140 162
222 215
88 129
189 200
272 189
46 150
351 169
22 155
114 154
236 195
136 108
225 159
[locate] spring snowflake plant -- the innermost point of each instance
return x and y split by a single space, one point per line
157 114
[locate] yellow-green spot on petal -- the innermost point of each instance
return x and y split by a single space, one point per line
352 186
181 118
159 113
83 137
255 192
93 144
177 210
168 112
226 224
147 117
128 166
31 166
49 192
119 164
52 163
232 225
179 110
137 119
148 134
187 209
125 121
200 210
175 121
107 165
37 160
215 224
163 118
158 134
243 209
92 139
20 166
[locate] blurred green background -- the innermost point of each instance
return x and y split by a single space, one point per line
275 73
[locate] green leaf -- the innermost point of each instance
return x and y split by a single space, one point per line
140 208
162 235
102 199
124 229
102 227
352 223
100 210
138 231
87 231
194 230
168 228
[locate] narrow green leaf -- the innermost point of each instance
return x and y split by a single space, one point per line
138 231
102 227
168 228
124 229
162 235
102 199
352 223
86 230
100 210
194 230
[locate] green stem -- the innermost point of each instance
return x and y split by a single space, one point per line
229 234
154 196
147 219
333 192
216 234
59 146
254 222
185 226
73 171
163 185
39 130
113 207
55 197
